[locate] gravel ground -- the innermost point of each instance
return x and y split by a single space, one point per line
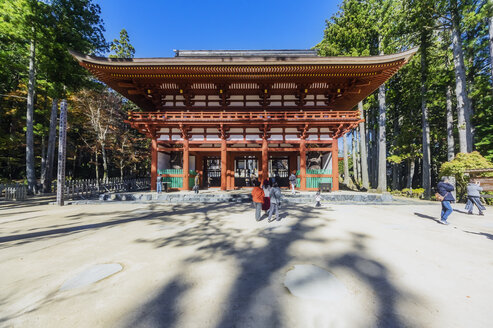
213 265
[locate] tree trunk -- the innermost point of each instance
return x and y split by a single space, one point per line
463 104
74 162
424 118
354 143
43 158
96 164
490 30
382 141
30 169
396 167
346 160
450 126
411 174
374 157
105 162
50 154
364 157
358 155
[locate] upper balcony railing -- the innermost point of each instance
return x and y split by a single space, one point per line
262 116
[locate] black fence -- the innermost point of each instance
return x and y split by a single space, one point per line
80 189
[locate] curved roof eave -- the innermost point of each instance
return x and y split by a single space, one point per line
266 60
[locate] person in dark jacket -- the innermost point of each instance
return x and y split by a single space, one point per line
275 201
444 188
473 197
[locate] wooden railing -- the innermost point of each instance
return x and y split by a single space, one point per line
90 188
13 191
244 116
80 189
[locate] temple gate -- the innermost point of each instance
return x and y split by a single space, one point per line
237 116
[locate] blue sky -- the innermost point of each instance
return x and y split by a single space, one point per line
157 27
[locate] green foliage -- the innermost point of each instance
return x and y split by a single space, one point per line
122 47
459 165
463 162
357 28
406 192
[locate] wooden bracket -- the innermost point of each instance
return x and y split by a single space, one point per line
224 94
264 94
223 132
184 131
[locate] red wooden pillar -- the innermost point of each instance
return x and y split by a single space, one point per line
224 164
302 165
186 164
265 160
230 174
293 163
153 163
199 167
335 165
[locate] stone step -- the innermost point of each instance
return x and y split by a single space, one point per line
303 198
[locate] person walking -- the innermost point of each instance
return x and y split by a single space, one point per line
292 181
318 199
159 185
444 188
275 201
266 187
197 182
258 200
473 197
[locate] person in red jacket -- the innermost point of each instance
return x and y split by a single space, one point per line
258 199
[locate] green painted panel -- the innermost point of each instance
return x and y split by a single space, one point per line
174 182
170 171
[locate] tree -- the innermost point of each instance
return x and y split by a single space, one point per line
490 31
364 157
122 47
101 108
347 179
463 103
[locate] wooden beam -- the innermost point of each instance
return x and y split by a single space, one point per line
198 149
126 85
134 92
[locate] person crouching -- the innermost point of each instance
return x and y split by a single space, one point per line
258 199
473 197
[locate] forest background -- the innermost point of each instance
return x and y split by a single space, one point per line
440 104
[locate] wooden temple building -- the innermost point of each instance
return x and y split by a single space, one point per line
237 116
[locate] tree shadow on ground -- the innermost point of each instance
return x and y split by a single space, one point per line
30 201
376 276
245 304
62 230
424 216
487 235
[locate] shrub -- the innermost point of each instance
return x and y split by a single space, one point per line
406 192
459 165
